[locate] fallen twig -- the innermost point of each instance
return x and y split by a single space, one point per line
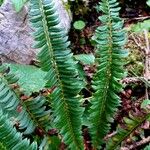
136 79
137 144
137 18
110 135
147 62
138 42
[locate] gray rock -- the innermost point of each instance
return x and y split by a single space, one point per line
15 38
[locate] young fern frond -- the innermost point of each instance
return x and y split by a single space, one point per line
131 124
29 114
56 58
110 40
10 139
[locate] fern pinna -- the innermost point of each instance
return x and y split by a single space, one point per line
62 77
110 40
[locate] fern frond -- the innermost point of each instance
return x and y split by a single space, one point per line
10 103
10 139
110 40
56 58
29 114
131 124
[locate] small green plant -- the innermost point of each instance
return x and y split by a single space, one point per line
79 25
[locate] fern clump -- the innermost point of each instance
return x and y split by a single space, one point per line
56 59
110 39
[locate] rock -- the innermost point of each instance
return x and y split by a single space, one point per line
15 38
64 14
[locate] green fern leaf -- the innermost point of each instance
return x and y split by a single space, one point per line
56 58
86 59
29 114
10 103
131 124
110 40
10 139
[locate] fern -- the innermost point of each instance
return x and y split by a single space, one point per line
56 58
131 124
10 139
110 40
29 114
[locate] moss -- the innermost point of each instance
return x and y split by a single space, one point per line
67 8
135 60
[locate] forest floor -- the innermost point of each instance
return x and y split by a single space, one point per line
135 84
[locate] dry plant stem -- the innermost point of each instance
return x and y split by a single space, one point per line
142 142
128 80
147 61
137 79
137 18
138 42
110 135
